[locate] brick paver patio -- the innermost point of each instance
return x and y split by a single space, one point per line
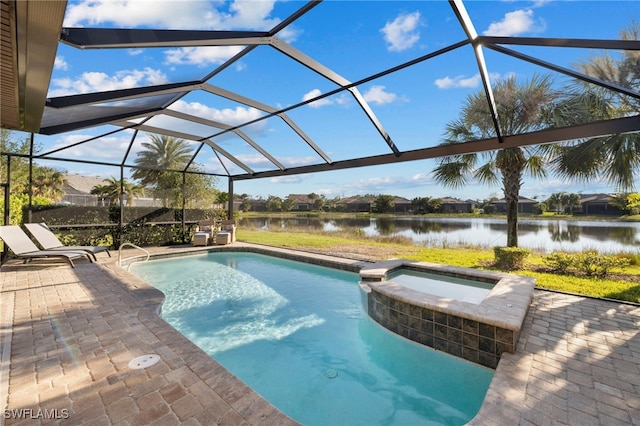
73 331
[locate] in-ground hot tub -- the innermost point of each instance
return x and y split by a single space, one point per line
439 311
457 288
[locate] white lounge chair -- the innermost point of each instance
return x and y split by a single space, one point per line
23 248
49 241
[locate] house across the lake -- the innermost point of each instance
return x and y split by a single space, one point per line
525 205
456 205
301 202
598 204
402 205
355 204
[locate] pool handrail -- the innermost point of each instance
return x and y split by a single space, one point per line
120 260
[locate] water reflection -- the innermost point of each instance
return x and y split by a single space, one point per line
544 235
558 232
385 226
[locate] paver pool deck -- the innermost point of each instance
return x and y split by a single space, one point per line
68 335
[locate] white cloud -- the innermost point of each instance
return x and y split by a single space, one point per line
375 184
378 95
458 81
422 179
191 15
541 3
290 34
289 179
379 185
255 160
60 63
250 14
134 52
375 95
201 56
172 15
386 183
131 13
258 161
105 148
99 81
230 116
335 100
326 191
515 23
461 81
401 34
317 104
299 161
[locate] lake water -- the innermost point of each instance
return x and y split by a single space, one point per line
542 235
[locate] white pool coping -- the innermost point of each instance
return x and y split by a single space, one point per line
505 306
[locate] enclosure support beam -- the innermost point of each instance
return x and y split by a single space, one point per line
30 207
121 220
230 202
184 207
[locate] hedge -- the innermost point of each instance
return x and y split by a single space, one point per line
144 226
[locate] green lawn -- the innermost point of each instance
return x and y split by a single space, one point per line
378 249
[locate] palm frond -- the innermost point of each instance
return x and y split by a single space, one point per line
487 173
623 160
535 166
451 174
582 161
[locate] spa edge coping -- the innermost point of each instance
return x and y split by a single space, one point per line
505 306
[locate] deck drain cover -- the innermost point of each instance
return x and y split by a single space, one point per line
331 373
144 361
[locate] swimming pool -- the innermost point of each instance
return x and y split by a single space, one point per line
298 335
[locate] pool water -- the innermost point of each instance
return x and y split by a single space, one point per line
298 335
465 290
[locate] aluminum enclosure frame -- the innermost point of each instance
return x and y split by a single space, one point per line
50 116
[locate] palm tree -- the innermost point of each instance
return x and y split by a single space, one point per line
572 200
616 157
113 190
166 152
556 202
101 191
520 109
163 152
48 182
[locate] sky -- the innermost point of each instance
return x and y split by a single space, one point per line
355 39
